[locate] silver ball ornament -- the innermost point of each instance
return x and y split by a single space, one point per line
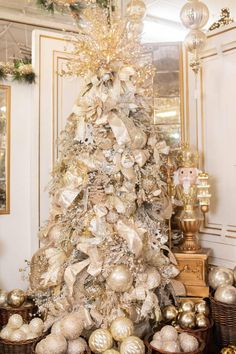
195 40
120 279
132 345
100 340
226 294
194 14
121 328
220 276
3 297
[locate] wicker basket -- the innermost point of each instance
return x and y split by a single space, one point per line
151 349
224 316
24 347
28 310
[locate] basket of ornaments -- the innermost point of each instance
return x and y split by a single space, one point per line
223 304
17 336
170 340
191 316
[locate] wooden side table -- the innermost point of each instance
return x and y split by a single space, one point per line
193 271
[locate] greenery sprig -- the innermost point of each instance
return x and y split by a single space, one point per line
19 70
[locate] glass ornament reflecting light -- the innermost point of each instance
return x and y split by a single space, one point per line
136 10
194 14
195 41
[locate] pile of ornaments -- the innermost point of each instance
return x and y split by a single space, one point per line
223 281
169 340
118 339
65 337
188 315
14 298
17 331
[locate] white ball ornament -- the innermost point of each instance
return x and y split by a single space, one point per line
132 345
55 344
31 335
220 276
25 328
15 321
40 347
120 279
157 344
72 326
77 346
18 336
188 343
121 328
226 294
157 336
56 328
169 333
171 346
100 340
36 325
6 333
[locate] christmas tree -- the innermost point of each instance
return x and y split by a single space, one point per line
104 251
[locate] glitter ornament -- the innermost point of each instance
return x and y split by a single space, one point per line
36 326
171 346
169 333
72 326
157 336
18 336
55 344
100 340
120 279
15 321
157 344
226 294
3 297
132 345
77 346
220 276
121 328
6 333
188 343
187 320
16 298
136 10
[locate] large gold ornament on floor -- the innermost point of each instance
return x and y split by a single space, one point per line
121 328
132 345
100 340
16 298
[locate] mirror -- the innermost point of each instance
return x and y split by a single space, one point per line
5 92
168 90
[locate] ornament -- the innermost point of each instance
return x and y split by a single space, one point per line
120 279
188 343
56 328
16 298
202 321
76 346
36 326
3 297
194 15
15 321
111 351
100 341
186 306
31 335
18 336
157 336
136 10
6 333
132 345
121 328
171 346
72 326
202 307
169 313
55 344
168 333
226 294
25 328
220 276
187 320
41 347
157 344
195 41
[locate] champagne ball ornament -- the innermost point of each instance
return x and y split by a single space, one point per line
202 307
171 346
36 326
121 328
3 297
220 276
169 333
120 279
56 328
132 345
76 346
25 328
41 347
226 294
16 298
72 326
202 321
187 320
15 321
186 306
55 344
188 343
100 340
194 14
136 10
18 336
169 313
195 41
6 333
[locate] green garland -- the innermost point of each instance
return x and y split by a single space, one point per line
18 70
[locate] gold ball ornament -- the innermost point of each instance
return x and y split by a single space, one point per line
136 10
169 313
202 321
226 294
186 306
16 298
72 326
121 328
120 279
202 307
187 320
195 40
194 14
132 345
3 297
100 341
15 321
220 276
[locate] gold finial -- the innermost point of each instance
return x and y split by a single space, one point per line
187 157
224 20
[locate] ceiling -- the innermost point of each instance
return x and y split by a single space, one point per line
162 22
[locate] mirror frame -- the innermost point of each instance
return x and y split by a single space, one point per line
7 90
